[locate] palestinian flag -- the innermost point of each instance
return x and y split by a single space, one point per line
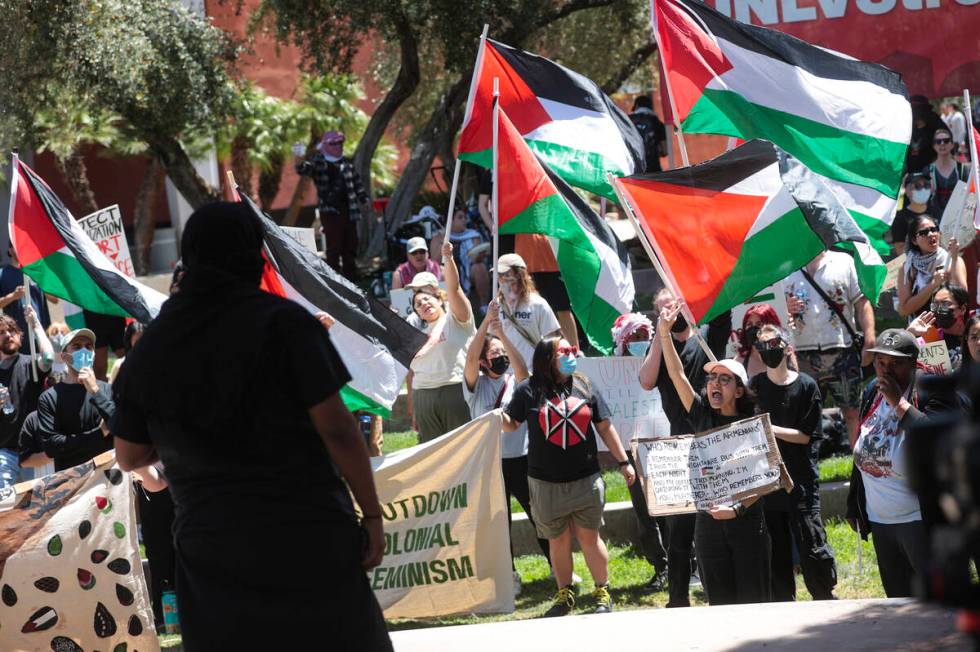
564 117
593 263
376 344
847 120
62 259
730 227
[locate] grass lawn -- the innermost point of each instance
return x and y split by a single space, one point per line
835 469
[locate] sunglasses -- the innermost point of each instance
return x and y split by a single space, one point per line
926 231
335 142
722 379
942 141
768 345
567 350
418 252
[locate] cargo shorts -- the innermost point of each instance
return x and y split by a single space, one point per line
556 505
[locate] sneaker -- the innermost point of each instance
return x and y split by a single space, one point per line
657 583
563 603
517 584
603 600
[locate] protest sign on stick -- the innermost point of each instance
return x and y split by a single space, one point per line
105 227
689 473
957 220
636 413
934 358
892 269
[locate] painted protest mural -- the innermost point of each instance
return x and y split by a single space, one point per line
70 572
447 546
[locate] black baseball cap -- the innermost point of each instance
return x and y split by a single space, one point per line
896 342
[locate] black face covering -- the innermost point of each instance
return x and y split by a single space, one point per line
680 325
499 364
751 335
772 357
945 317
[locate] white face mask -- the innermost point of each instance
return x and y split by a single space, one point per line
921 196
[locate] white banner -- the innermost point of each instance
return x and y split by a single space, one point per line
105 227
447 542
636 413
69 560
692 472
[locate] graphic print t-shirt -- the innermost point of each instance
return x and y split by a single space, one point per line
880 455
561 433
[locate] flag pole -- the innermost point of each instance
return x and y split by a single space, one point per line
466 113
495 191
665 79
664 277
14 177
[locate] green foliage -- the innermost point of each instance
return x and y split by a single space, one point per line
836 469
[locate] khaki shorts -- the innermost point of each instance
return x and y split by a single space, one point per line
556 504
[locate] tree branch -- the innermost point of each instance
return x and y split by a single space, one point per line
570 8
632 62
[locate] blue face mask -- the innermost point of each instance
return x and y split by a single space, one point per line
638 349
82 358
567 364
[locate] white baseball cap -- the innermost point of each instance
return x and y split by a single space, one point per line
731 365
423 279
508 261
416 244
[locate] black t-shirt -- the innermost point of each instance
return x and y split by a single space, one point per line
24 392
693 358
797 405
267 465
561 434
70 422
903 221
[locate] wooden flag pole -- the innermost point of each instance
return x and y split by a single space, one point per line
495 191
657 265
469 107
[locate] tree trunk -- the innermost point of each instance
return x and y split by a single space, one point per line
372 230
269 181
241 167
75 174
446 117
143 222
185 178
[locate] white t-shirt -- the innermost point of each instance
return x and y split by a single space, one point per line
483 398
879 453
820 327
441 359
536 317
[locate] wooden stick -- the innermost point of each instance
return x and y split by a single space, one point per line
495 192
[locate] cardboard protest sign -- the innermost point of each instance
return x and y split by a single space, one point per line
304 236
934 358
447 542
892 269
692 472
105 227
957 220
636 413
774 295
70 568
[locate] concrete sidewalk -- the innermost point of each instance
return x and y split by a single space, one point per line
833 626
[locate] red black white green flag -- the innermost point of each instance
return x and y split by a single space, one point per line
593 262
58 255
565 118
731 226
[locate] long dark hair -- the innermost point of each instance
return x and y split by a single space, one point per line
967 362
914 223
543 374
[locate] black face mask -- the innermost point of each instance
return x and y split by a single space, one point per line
772 357
751 335
680 326
945 317
499 364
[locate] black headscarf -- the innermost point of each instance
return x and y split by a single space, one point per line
196 361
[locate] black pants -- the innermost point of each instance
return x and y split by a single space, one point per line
680 543
816 557
651 543
341 234
156 512
734 557
901 549
515 484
